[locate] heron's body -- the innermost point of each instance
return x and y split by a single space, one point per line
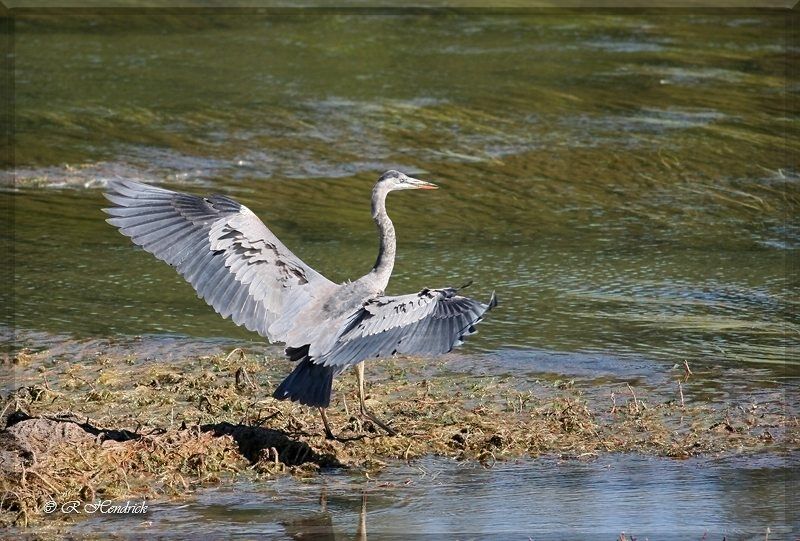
244 272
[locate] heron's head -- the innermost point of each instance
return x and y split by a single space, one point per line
395 180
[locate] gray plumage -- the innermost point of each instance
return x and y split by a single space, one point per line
240 268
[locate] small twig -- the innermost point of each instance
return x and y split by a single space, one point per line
2 413
687 371
240 351
635 401
183 481
680 390
46 482
83 458
483 456
243 379
86 382
125 478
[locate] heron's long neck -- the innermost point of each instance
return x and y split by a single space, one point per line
385 262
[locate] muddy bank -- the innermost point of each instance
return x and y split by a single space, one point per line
114 427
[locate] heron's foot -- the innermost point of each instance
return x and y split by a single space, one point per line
374 418
329 435
332 437
343 439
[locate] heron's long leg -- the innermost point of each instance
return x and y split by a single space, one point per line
328 432
361 532
364 410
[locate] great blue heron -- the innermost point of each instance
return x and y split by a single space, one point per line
244 272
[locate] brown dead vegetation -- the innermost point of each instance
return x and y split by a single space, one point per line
116 428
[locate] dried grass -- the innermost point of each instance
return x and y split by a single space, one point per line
157 430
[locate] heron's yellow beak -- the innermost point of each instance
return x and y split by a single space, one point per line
422 185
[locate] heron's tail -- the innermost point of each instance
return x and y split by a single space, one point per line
309 383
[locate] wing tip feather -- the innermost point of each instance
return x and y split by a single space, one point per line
492 301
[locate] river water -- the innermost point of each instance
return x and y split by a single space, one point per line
546 499
623 180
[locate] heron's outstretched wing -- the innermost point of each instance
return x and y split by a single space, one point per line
430 322
220 247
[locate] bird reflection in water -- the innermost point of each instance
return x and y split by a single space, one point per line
319 526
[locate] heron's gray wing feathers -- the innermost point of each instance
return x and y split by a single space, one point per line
430 322
219 246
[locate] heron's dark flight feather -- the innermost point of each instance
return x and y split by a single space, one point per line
430 322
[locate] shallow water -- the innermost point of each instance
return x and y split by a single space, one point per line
647 498
622 180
